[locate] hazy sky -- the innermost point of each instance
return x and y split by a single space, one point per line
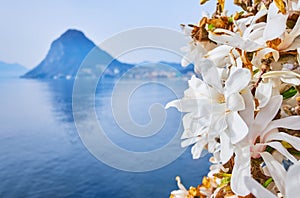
29 26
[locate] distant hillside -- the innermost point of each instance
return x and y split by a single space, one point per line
9 70
183 70
69 50
66 55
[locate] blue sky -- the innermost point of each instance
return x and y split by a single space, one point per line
29 26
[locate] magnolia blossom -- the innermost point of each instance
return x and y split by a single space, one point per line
209 187
276 29
258 37
263 131
247 36
195 50
233 110
291 181
275 36
212 110
288 77
182 192
263 94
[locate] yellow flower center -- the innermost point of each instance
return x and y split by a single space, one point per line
221 99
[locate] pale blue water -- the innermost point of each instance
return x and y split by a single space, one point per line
41 154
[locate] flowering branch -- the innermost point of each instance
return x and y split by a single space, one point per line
245 108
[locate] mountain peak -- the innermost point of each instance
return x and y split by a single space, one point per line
72 33
66 55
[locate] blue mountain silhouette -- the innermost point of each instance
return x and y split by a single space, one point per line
67 53
11 69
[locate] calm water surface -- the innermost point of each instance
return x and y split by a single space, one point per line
42 155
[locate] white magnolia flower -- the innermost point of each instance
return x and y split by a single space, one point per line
263 131
196 102
291 181
275 28
254 37
263 94
235 39
213 110
288 77
182 192
247 38
194 52
220 56
276 23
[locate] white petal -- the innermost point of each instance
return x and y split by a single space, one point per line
289 39
237 127
263 93
256 60
194 125
278 146
233 40
259 14
289 77
276 170
276 55
255 32
285 46
257 189
284 74
267 114
239 62
293 181
291 122
237 81
179 193
197 150
276 23
248 113
220 55
195 82
194 50
190 141
243 23
292 140
190 105
197 89
240 170
185 61
217 123
226 148
180 185
210 73
173 103
290 80
235 102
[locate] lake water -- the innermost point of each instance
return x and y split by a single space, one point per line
42 154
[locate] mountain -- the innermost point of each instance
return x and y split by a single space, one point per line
10 70
66 55
177 66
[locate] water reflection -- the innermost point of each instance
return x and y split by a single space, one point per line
42 156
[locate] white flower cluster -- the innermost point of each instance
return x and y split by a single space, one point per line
244 106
